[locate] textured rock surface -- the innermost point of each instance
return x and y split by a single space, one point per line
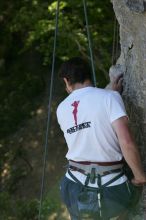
136 5
132 20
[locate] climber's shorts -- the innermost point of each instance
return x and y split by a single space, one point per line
115 200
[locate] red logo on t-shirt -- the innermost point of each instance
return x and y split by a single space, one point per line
75 111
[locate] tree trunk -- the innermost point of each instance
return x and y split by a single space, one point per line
131 15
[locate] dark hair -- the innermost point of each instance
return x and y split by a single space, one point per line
75 70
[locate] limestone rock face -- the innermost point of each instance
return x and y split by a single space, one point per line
136 5
131 15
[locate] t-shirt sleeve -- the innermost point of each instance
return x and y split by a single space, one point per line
115 106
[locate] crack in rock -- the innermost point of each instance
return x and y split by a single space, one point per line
131 46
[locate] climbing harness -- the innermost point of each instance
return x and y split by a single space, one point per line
94 171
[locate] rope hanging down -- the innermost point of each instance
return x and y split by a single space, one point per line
89 43
49 109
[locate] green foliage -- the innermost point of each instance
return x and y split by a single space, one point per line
17 209
24 209
27 43
14 166
72 31
18 91
50 205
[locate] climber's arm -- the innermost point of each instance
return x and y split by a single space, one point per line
129 149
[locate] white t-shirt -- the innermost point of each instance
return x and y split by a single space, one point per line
86 117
